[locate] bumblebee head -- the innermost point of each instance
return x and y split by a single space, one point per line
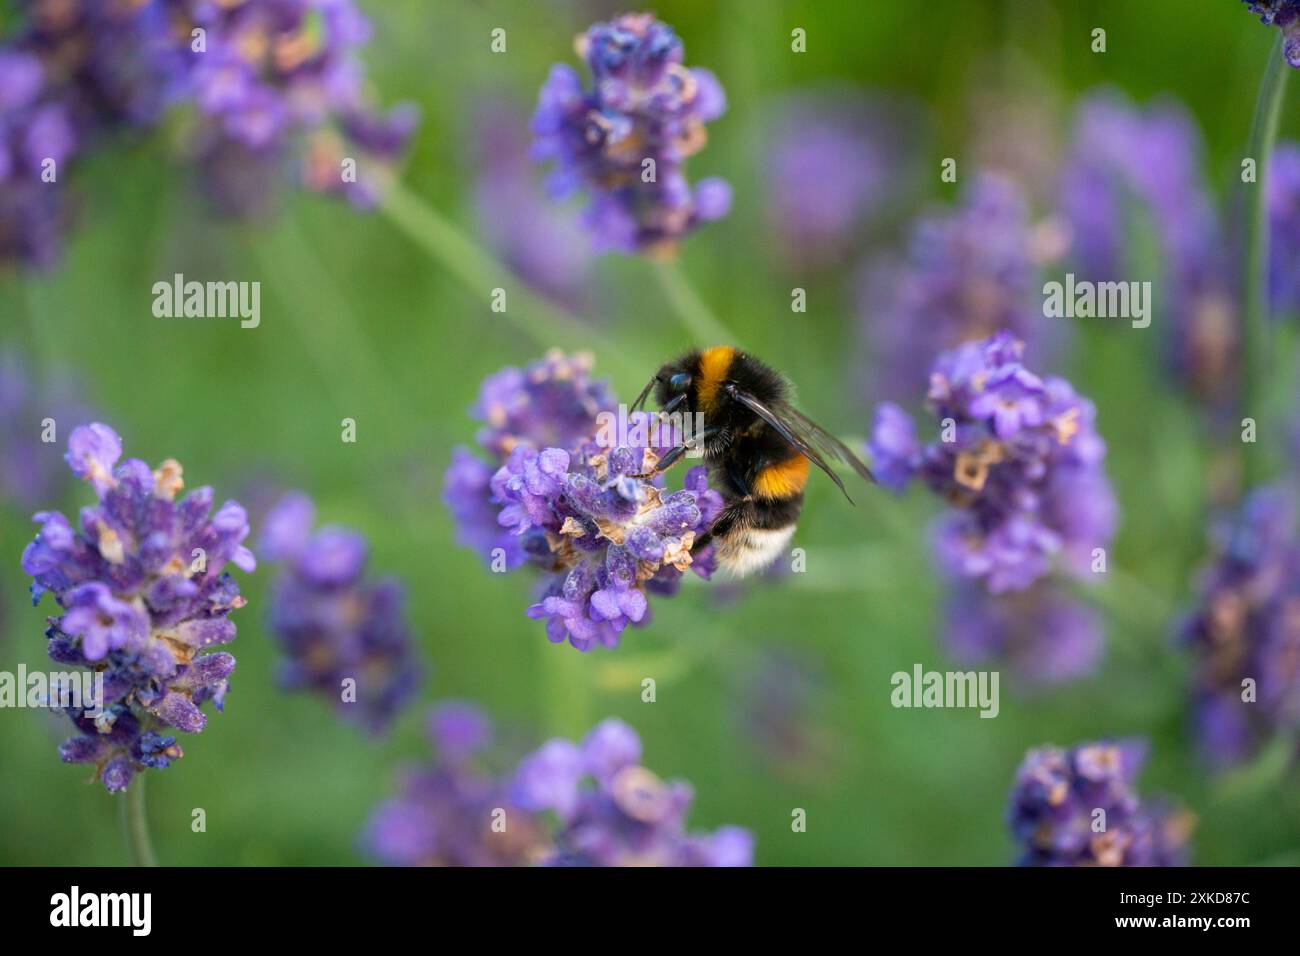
673 386
674 389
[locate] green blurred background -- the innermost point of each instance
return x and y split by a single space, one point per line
359 321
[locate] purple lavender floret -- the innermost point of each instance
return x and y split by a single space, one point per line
335 623
965 275
643 104
1018 457
550 402
612 811
611 537
142 593
570 503
1285 15
1053 813
1245 630
455 810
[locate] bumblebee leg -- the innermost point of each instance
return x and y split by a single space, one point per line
674 455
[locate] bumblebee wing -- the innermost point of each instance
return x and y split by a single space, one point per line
793 430
828 444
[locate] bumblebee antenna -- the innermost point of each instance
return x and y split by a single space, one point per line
640 399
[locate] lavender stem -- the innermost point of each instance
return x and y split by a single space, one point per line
135 818
694 315
1257 359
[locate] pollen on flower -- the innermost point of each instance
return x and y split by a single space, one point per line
168 480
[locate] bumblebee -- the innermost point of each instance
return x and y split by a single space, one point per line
757 445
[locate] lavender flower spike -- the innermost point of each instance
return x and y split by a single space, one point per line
1019 460
1078 807
1018 456
142 594
574 507
336 625
965 274
612 811
550 402
627 137
1245 632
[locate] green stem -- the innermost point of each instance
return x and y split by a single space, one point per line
480 272
329 333
1257 357
135 818
695 316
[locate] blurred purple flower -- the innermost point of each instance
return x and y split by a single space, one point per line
608 810
453 811
966 274
1245 629
835 162
612 811
275 85
279 85
334 623
1079 807
1153 156
552 402
778 714
540 241
1284 226
30 468
1285 15
142 593
1042 635
643 106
